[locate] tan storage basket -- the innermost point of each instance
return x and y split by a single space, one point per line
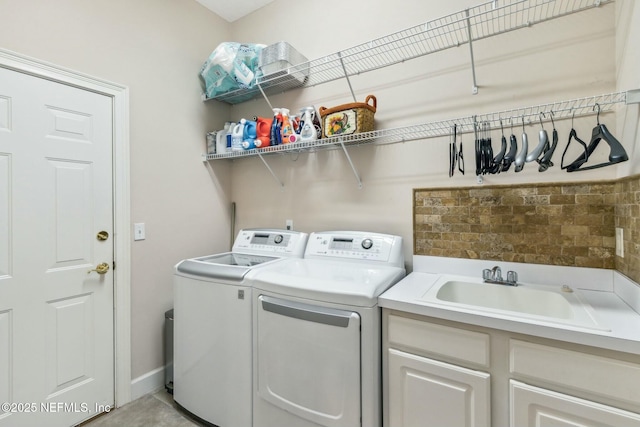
347 119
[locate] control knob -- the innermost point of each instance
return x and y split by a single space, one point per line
278 239
367 243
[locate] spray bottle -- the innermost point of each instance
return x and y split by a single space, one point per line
276 135
288 135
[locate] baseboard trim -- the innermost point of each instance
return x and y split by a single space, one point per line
147 383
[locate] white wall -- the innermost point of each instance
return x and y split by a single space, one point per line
156 48
628 77
568 58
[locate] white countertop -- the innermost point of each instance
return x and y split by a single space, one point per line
610 294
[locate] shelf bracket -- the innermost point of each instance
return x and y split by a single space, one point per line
264 95
346 76
271 171
353 168
474 90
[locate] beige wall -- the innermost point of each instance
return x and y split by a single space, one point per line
156 49
568 58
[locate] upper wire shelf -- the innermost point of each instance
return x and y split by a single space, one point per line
476 23
579 107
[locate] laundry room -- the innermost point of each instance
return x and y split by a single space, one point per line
443 167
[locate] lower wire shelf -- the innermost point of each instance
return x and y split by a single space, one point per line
579 107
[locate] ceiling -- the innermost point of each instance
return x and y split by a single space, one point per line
231 10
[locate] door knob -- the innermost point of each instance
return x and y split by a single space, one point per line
101 268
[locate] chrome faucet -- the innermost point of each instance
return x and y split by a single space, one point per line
494 275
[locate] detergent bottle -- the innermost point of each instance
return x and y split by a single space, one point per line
236 137
248 134
276 135
308 131
229 135
221 139
263 131
288 135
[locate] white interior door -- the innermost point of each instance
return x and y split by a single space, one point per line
56 320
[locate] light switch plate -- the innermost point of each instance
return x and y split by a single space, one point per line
620 242
138 231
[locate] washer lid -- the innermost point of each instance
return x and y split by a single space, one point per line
339 282
228 265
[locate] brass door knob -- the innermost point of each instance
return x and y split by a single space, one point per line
101 268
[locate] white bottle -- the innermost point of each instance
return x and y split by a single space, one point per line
221 139
308 132
236 137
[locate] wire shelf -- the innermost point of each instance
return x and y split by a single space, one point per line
477 23
579 107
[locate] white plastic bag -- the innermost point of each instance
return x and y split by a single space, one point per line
230 66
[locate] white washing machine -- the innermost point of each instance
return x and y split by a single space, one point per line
317 332
213 325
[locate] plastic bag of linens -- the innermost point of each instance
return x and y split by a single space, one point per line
230 66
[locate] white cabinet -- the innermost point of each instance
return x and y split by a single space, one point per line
447 374
423 391
427 392
537 407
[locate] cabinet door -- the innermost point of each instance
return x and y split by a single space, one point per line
425 392
537 407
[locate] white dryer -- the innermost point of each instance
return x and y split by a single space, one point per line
213 326
317 352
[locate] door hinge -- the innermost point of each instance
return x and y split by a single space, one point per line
114 265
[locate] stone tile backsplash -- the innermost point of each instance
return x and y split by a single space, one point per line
627 217
570 224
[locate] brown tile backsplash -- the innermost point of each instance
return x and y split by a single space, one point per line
570 224
627 217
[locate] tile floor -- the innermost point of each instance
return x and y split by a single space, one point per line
153 410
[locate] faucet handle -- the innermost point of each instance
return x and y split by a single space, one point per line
486 274
512 277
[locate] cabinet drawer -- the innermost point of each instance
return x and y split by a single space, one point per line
584 372
439 340
533 406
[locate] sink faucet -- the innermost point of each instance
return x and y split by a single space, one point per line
494 275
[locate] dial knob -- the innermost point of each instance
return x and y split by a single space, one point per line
278 239
367 243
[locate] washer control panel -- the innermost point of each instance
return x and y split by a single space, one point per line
352 245
258 241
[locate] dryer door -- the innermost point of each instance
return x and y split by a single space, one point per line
308 362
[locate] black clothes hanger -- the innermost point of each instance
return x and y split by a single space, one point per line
573 135
600 133
496 166
460 157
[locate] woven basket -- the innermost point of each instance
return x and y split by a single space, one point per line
347 119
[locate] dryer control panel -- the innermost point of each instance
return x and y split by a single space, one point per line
266 241
356 246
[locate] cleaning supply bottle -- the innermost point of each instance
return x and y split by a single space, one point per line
248 134
308 131
221 139
288 135
236 137
263 131
229 135
276 135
